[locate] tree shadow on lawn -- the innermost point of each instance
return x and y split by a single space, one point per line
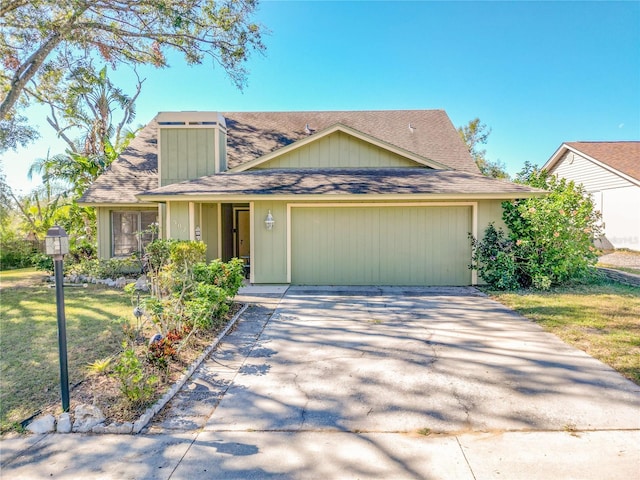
30 358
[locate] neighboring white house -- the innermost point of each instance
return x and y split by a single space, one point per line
610 172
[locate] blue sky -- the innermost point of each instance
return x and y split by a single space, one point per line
537 73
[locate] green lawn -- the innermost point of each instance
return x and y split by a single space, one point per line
602 320
29 366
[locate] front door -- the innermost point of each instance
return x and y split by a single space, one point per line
243 235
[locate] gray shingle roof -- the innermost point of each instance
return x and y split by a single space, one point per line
423 181
432 135
135 171
427 133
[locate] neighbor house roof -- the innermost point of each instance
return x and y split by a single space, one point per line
335 181
621 156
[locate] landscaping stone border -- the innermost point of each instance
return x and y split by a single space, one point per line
47 424
146 417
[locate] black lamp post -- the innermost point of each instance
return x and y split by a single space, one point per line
57 245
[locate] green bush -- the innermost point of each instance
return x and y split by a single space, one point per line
136 385
494 258
185 290
15 252
42 262
550 239
227 276
107 268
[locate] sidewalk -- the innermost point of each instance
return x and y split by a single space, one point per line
181 446
598 455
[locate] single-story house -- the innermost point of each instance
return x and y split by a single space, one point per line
610 172
316 198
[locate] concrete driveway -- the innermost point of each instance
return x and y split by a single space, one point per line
344 383
377 383
400 360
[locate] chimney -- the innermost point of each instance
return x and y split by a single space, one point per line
190 145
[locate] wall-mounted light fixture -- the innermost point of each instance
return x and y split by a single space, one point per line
198 234
269 222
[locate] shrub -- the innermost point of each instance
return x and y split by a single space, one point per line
106 268
227 276
42 262
494 258
15 252
550 238
135 384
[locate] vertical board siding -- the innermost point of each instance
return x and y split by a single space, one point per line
381 245
103 216
338 150
179 218
581 170
210 229
269 247
186 154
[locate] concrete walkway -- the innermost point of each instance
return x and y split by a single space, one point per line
373 383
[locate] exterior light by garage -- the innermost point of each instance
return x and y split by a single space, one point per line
57 245
269 222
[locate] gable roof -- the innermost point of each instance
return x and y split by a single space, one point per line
344 129
621 156
342 182
427 134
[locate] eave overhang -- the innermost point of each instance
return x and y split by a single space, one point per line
328 197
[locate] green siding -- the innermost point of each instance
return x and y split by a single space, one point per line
269 264
338 150
179 228
490 211
186 154
103 217
381 245
210 229
222 150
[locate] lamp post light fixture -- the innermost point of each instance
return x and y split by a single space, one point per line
269 222
57 246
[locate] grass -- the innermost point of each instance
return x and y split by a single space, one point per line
29 365
601 319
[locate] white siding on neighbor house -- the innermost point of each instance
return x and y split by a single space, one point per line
620 209
594 177
617 198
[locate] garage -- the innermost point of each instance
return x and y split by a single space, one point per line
377 244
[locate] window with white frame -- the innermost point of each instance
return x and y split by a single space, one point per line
131 231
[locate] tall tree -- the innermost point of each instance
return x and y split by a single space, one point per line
5 197
99 113
474 134
41 39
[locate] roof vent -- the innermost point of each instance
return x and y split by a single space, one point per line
411 128
307 129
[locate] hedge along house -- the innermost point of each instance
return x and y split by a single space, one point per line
317 198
